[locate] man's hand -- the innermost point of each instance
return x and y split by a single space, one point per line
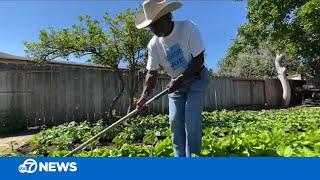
141 104
175 84
194 67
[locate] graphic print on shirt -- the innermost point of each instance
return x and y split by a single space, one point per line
175 57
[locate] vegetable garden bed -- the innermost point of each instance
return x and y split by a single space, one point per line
286 132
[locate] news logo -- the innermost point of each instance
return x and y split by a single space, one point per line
30 166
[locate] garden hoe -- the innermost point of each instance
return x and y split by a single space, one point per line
129 115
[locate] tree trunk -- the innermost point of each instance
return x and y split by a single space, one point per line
286 94
114 100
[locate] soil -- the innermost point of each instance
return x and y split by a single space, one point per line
10 143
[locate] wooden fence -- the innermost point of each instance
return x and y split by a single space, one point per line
53 94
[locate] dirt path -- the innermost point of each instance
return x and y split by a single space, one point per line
7 143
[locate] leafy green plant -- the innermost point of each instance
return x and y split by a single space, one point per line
285 132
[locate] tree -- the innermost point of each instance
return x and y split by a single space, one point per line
117 41
249 62
133 43
227 64
290 29
309 47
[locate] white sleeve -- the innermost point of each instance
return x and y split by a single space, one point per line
195 42
153 58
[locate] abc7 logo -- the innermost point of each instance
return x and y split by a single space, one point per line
28 166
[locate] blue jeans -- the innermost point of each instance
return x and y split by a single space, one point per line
185 108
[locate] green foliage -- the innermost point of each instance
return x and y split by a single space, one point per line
289 27
274 21
249 62
308 15
107 42
131 41
65 137
267 133
229 62
287 132
12 122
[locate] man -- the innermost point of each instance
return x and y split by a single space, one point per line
178 48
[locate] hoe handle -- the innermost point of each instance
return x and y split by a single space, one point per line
132 113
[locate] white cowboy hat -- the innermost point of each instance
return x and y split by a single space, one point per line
153 10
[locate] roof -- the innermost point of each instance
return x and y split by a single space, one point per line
7 56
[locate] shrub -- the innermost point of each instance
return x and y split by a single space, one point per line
11 122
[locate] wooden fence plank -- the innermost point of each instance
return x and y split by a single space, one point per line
59 93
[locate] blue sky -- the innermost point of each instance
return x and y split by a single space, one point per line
20 21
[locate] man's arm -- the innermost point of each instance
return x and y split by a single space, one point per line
150 82
193 68
149 85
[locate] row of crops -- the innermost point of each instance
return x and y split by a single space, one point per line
288 132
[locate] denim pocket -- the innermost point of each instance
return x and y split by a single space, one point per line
201 84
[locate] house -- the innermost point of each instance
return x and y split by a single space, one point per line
11 59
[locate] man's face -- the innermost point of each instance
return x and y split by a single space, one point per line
161 26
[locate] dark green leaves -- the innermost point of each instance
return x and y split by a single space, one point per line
290 27
288 132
